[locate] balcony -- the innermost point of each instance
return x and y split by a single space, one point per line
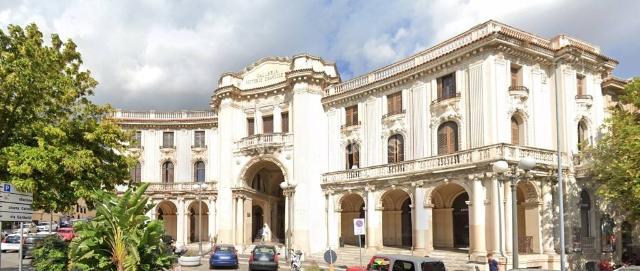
434 164
263 143
350 126
452 98
393 114
179 188
584 99
519 92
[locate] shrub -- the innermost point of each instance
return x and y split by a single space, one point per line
51 255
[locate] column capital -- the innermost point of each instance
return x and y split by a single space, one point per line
369 187
417 184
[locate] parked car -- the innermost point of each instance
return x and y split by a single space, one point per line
26 228
263 257
404 263
30 243
66 234
224 256
11 243
65 224
44 226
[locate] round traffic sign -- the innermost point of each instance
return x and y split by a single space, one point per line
330 256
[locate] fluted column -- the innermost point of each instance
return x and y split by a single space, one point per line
508 217
547 218
212 217
240 220
374 220
428 234
478 249
180 220
418 216
495 217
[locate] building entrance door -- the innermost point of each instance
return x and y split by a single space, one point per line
461 221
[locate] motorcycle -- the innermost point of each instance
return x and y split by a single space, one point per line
296 260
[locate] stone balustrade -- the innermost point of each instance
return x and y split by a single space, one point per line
264 140
191 187
507 152
152 115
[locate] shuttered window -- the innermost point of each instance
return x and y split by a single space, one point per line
351 115
395 149
267 125
285 122
447 138
516 131
250 127
580 85
352 155
198 139
514 76
167 140
446 86
394 103
167 172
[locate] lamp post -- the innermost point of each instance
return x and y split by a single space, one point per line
200 187
284 186
502 167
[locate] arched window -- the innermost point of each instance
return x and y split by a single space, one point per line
395 148
583 134
198 170
352 155
167 172
517 131
447 138
136 173
585 208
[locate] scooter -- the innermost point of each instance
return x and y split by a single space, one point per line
296 260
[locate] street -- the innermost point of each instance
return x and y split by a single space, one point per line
10 260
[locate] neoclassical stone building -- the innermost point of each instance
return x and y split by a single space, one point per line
409 147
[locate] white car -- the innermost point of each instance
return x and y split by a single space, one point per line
44 226
11 243
26 228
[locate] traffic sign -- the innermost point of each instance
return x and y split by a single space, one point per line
17 217
9 188
358 226
330 256
14 205
16 198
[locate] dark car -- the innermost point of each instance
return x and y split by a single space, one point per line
263 257
224 256
30 243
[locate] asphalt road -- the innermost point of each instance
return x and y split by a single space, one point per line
9 262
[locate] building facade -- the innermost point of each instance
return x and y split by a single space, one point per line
409 147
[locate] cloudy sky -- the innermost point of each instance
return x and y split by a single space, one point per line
168 55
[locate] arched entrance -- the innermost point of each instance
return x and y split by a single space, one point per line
267 200
450 219
198 220
528 218
352 207
397 228
166 211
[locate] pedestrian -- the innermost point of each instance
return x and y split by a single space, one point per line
493 264
266 233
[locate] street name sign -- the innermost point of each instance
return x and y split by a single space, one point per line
14 205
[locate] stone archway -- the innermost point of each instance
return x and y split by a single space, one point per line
166 211
450 217
397 228
352 206
528 218
198 222
262 179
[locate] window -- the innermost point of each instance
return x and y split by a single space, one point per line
607 235
580 85
267 125
167 172
585 207
285 122
167 140
394 103
395 147
514 76
446 86
199 170
351 115
433 266
136 142
198 139
250 127
136 173
400 265
517 131
582 135
447 138
353 156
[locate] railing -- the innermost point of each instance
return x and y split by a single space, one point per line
588 243
167 147
264 139
518 89
353 124
525 244
489 153
393 114
163 115
179 187
584 97
444 98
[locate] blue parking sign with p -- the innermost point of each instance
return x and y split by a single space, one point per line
6 188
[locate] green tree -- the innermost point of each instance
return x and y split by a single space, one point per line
120 237
616 158
51 255
54 141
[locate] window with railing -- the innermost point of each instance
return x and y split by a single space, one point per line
351 115
285 122
167 140
352 156
199 139
267 124
167 172
446 86
395 149
250 126
394 103
515 76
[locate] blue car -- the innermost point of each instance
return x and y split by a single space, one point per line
223 256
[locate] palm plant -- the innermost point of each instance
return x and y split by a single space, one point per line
121 237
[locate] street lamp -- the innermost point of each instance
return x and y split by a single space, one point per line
284 185
199 188
502 167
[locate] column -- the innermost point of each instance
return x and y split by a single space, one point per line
496 231
418 216
239 220
212 218
547 218
508 218
374 221
332 232
478 247
428 234
180 220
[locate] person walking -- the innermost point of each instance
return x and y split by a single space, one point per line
266 233
493 263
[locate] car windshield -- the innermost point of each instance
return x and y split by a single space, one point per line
433 266
264 251
224 249
32 240
64 230
13 239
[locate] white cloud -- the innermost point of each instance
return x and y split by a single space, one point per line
168 55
